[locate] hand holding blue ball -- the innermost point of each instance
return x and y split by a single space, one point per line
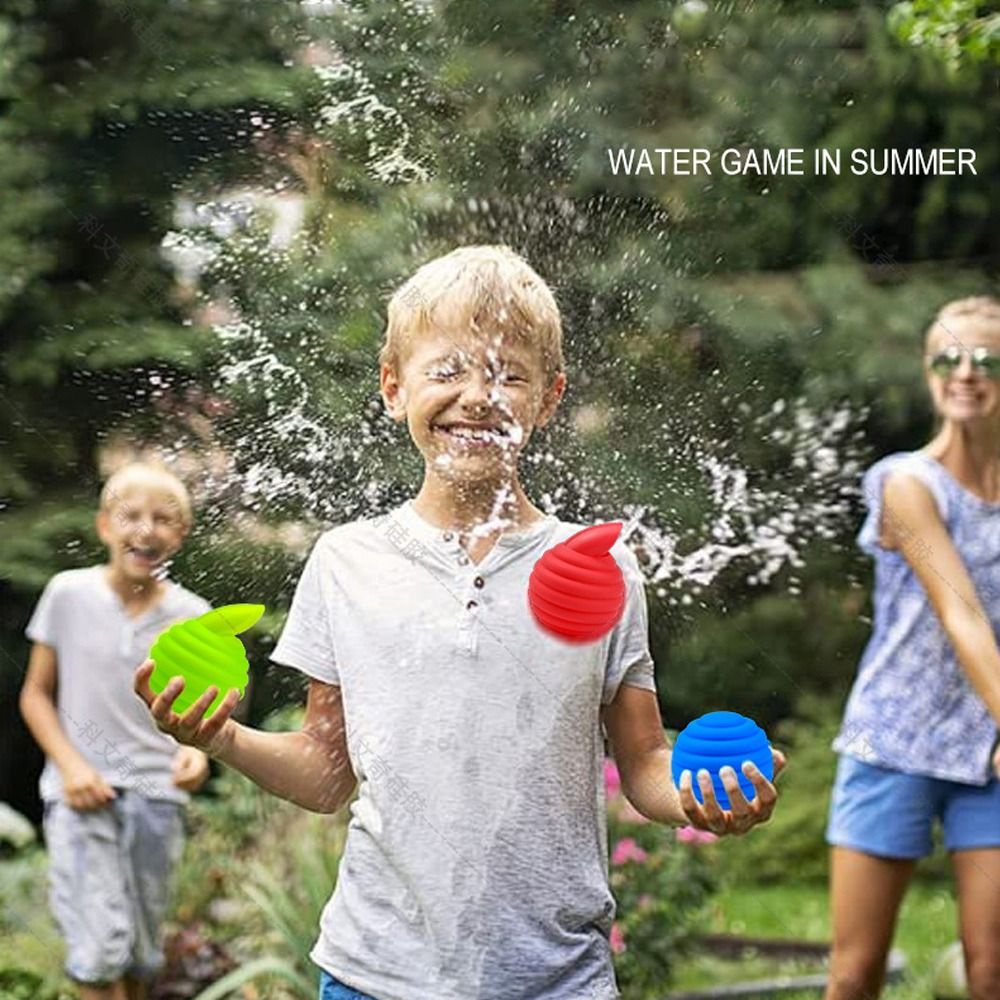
718 740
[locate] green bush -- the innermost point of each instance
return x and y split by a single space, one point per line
275 866
227 832
661 886
31 951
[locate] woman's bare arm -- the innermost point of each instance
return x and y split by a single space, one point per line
916 529
310 767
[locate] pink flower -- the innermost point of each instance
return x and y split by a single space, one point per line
612 780
692 835
627 850
645 901
617 938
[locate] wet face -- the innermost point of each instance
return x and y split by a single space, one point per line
962 389
472 402
142 529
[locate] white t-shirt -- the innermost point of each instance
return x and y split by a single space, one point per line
98 648
476 861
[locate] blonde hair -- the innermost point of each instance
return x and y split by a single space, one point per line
985 308
149 475
476 288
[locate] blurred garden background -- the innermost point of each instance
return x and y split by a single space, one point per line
204 208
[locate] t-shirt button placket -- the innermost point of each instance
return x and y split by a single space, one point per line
472 609
472 603
462 559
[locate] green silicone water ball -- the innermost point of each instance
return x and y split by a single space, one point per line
204 651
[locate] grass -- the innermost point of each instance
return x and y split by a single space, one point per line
927 922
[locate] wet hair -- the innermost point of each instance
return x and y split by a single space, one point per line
151 476
983 308
486 289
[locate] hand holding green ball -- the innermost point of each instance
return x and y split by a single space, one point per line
205 652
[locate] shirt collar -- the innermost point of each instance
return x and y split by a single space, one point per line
166 607
430 534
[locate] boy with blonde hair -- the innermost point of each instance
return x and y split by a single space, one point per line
113 786
476 858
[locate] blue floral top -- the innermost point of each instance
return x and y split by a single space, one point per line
912 707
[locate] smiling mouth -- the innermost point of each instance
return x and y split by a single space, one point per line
473 437
144 554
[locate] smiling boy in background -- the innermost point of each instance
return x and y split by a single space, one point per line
113 786
475 865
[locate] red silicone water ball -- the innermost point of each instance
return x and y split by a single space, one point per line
576 590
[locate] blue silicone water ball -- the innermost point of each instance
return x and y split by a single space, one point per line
718 739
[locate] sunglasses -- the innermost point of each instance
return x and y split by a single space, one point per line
946 362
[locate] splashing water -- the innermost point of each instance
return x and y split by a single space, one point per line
762 528
386 158
318 446
310 442
753 521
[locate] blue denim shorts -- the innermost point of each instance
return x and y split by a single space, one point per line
334 989
888 813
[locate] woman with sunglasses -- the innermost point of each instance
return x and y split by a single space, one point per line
919 738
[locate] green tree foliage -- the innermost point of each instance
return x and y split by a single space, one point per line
956 31
108 110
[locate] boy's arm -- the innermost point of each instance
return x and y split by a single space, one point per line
37 703
310 767
639 747
82 784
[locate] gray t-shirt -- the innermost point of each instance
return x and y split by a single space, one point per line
98 647
476 861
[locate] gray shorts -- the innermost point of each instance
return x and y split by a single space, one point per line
109 883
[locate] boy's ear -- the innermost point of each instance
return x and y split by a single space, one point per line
392 392
550 401
101 523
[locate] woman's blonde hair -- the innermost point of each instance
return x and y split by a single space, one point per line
985 308
488 289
